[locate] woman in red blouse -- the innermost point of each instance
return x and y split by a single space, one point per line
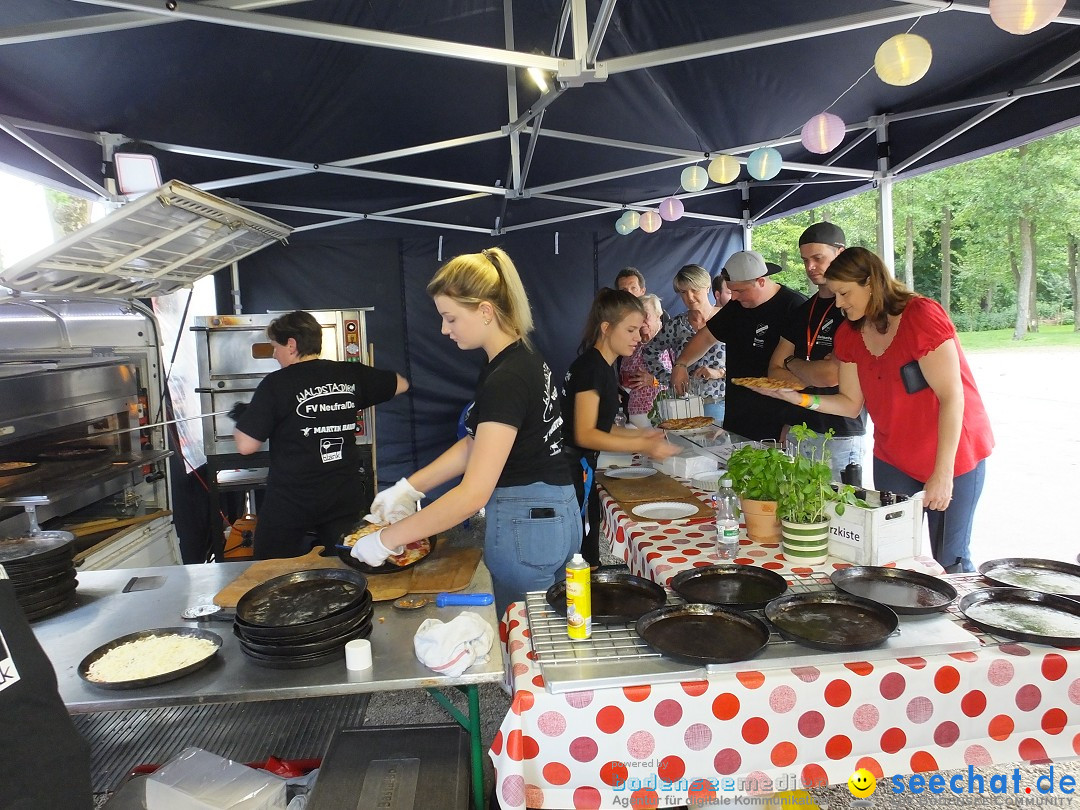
899 356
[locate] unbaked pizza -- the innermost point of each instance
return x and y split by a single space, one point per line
686 423
769 383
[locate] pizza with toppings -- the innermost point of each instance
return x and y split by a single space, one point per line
16 467
412 553
769 383
687 423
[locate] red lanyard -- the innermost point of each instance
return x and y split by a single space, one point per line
811 337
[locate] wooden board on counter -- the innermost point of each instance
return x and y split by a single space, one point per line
657 487
446 569
704 511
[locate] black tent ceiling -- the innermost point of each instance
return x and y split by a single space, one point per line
408 115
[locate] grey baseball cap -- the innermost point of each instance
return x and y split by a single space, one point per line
747 265
823 233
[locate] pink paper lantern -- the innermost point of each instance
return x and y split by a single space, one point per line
671 209
823 133
650 222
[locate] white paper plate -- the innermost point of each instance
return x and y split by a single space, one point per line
709 481
630 472
664 510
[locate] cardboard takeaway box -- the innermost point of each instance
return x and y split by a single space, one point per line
880 534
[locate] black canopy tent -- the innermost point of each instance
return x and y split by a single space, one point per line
394 135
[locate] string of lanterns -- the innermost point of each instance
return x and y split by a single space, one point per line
900 60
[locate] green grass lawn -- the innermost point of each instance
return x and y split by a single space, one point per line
1048 336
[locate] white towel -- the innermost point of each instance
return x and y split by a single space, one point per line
452 647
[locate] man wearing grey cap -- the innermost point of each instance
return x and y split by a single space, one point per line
804 353
750 325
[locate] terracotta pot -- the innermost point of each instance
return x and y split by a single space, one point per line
805 543
762 525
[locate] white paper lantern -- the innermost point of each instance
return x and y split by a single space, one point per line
651 222
724 169
1024 16
694 178
671 209
764 163
622 226
823 133
903 59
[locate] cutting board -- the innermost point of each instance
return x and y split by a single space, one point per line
446 569
704 511
658 487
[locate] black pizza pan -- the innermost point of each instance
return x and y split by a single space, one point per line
301 598
741 587
703 634
837 622
31 550
300 661
1047 576
346 557
60 604
909 593
137 683
1024 615
354 629
617 596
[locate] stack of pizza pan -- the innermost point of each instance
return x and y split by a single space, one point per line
41 566
303 619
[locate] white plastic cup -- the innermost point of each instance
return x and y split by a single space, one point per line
358 654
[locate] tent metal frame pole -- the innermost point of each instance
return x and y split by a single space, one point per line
7 126
885 237
1046 76
600 27
1006 95
514 177
1066 17
615 175
763 39
746 222
115 21
346 34
646 205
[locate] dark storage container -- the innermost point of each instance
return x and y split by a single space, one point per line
401 767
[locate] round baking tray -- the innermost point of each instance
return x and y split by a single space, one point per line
136 683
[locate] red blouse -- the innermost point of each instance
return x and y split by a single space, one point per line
906 425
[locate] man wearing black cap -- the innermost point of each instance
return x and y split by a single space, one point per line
804 353
750 325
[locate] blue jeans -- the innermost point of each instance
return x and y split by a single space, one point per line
954 523
526 552
716 411
842 451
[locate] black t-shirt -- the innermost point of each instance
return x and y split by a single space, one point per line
308 412
590 372
45 761
751 335
516 389
815 323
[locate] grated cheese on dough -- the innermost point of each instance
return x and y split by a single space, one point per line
149 657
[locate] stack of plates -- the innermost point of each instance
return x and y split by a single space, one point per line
42 569
303 619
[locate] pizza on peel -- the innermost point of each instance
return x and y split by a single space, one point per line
413 552
768 383
686 423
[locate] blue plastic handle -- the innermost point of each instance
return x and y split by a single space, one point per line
447 599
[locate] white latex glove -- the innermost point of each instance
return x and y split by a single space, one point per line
394 504
370 549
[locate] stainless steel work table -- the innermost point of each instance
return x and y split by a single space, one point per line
104 612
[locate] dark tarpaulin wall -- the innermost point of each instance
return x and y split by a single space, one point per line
336 269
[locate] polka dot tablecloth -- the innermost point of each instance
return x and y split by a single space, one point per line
659 551
756 731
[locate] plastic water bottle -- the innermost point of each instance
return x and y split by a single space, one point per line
620 418
727 521
578 599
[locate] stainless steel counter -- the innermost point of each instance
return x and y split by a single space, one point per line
105 612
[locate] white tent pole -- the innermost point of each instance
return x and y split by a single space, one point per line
1066 16
53 158
747 224
885 237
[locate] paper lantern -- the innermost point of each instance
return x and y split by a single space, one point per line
651 222
633 219
903 59
823 133
694 178
764 163
622 226
671 209
1024 16
724 169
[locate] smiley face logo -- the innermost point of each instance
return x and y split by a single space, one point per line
862 783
